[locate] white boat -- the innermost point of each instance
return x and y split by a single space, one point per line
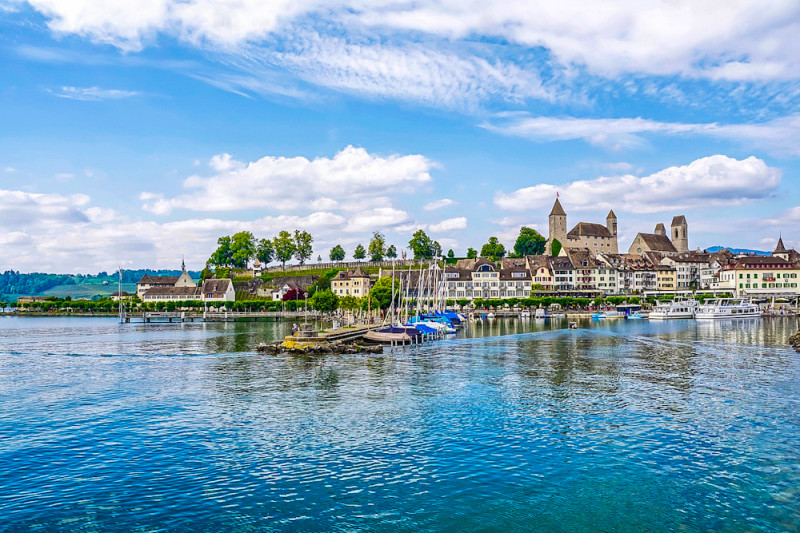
674 309
728 308
540 313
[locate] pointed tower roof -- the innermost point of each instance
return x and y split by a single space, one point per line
780 249
611 214
183 264
557 209
679 220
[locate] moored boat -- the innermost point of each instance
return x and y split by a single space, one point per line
674 310
728 308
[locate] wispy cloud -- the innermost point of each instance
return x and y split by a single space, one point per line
625 133
93 94
438 204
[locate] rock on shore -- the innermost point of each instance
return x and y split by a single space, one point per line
794 341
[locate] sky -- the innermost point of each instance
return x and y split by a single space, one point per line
134 134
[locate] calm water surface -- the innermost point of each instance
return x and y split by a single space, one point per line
616 427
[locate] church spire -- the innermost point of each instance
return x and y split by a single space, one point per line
780 249
183 263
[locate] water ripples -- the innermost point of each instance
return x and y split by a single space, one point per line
622 427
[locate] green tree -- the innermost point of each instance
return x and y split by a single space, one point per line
222 256
324 300
302 246
391 252
555 247
450 253
529 242
337 253
421 245
284 247
377 247
265 251
472 253
436 249
349 303
493 249
243 249
380 296
359 253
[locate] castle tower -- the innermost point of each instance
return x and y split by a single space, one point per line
660 229
780 250
680 233
557 225
611 223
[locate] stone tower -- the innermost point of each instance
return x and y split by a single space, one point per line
611 223
680 233
557 225
660 229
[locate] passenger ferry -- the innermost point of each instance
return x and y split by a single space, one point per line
674 309
728 308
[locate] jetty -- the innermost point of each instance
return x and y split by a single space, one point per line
309 340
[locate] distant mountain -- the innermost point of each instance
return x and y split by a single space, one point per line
737 250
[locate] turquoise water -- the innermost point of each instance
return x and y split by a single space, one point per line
615 427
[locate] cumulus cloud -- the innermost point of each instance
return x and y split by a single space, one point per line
93 94
381 218
449 224
438 204
284 183
713 180
624 133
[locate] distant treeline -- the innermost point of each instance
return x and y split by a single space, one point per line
12 282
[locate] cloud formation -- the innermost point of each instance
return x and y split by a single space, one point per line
290 183
93 94
713 180
622 133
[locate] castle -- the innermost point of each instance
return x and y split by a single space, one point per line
595 237
598 238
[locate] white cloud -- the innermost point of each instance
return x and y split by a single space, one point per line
719 39
410 71
9 170
438 204
713 180
284 183
93 94
379 219
622 133
449 224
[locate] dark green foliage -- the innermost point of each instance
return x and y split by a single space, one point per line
337 253
472 253
555 248
324 300
529 242
377 247
423 247
359 253
493 249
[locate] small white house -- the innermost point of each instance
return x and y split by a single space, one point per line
218 290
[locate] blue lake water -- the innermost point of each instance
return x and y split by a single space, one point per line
619 426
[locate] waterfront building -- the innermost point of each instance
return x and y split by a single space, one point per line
541 275
756 275
351 283
218 290
280 291
688 267
150 282
597 238
666 278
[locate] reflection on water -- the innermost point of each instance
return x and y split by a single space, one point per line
616 426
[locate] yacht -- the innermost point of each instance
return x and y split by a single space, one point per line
728 308
674 309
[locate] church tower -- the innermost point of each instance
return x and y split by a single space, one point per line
557 226
680 233
611 223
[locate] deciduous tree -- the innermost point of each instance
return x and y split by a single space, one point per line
359 253
265 251
493 249
243 249
337 253
284 247
391 252
377 247
529 242
421 245
302 246
472 253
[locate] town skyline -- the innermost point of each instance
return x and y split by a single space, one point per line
135 136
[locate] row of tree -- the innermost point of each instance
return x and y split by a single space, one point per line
239 249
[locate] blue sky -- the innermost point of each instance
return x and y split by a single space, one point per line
135 133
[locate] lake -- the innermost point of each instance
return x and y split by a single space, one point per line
512 426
